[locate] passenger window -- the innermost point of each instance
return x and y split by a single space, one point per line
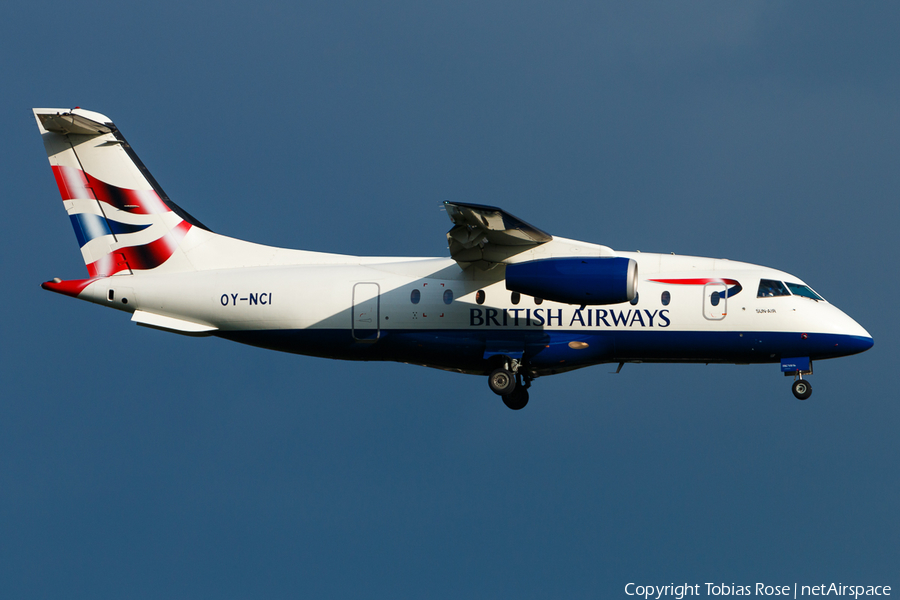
666 298
515 297
479 296
448 296
634 300
538 301
714 299
803 290
415 296
769 288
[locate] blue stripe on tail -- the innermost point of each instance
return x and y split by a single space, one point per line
89 226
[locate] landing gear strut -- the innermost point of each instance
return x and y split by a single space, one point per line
802 389
507 382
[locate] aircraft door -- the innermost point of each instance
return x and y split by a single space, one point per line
365 325
715 301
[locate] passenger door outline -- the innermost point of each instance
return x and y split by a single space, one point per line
715 301
366 312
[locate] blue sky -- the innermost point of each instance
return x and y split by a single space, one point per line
139 464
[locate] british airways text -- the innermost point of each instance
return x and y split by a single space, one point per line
549 317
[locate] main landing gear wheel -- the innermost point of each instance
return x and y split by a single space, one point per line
802 389
517 399
502 382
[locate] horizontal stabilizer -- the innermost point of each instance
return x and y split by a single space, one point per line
171 324
65 123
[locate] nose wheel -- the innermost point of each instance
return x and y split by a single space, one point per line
802 389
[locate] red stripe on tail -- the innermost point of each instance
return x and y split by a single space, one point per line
75 184
144 257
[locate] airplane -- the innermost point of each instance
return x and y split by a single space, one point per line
511 303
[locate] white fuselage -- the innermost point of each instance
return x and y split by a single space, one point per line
352 306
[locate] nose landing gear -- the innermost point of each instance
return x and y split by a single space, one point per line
798 367
510 384
802 389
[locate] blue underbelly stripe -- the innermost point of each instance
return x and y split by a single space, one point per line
465 350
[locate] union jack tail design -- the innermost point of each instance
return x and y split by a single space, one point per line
123 221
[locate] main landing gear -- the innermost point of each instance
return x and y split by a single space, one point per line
510 384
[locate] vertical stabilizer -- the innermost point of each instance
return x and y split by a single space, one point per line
123 221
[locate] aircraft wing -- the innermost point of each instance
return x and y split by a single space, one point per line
485 236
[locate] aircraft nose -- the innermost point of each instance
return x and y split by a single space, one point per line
855 344
856 339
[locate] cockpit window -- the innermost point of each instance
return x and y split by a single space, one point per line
803 290
769 288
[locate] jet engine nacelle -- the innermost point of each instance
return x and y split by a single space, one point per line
588 280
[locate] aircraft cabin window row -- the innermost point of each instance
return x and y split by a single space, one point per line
769 288
514 297
415 296
766 288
